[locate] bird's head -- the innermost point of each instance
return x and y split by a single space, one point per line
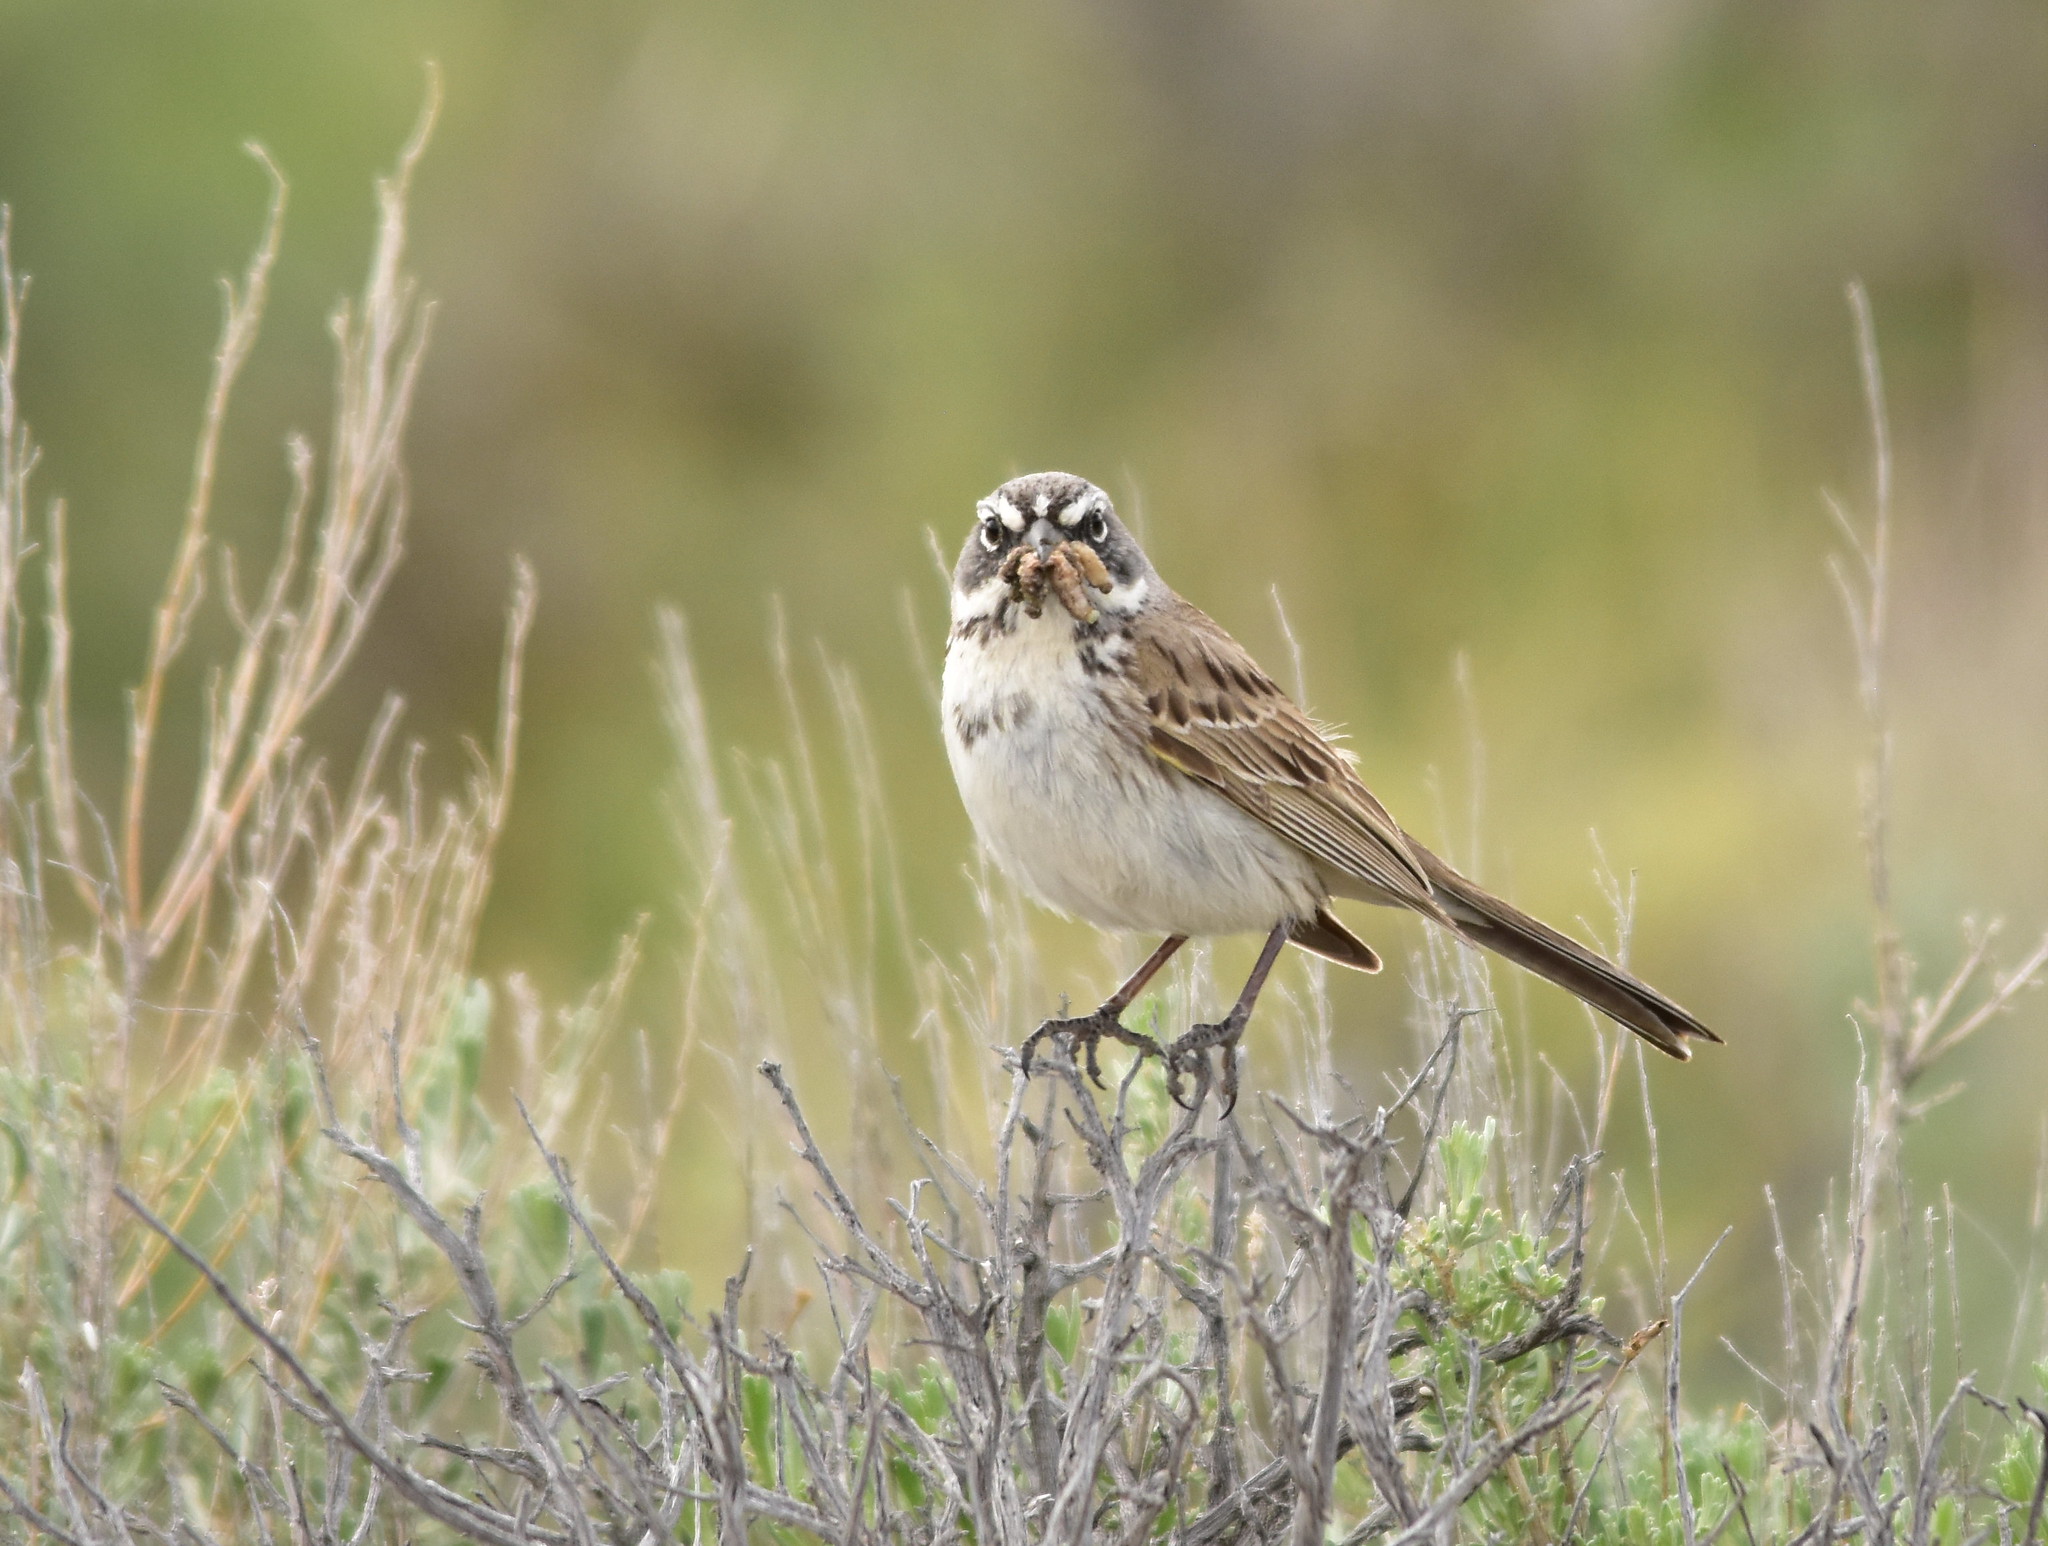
1040 512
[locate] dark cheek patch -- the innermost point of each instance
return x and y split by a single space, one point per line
1128 568
978 565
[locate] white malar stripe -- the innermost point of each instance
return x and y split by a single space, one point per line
982 601
1123 599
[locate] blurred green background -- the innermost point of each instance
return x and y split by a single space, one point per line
1510 331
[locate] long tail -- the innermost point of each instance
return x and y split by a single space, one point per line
1486 920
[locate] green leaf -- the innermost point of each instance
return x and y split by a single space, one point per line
438 1368
670 1290
1948 1520
19 1165
1463 1155
2015 1470
757 1410
927 1401
543 1225
469 1033
910 1488
365 1288
200 1373
1063 1331
133 1366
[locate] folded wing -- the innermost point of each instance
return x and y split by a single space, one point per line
1215 716
1221 720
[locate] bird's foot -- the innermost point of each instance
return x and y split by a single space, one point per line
1085 1034
1190 1054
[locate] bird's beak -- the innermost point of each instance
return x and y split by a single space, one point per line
1044 536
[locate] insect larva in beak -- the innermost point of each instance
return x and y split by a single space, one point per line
1089 562
1066 584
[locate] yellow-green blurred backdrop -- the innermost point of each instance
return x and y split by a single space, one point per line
1509 330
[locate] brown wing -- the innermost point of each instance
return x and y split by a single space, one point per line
1220 719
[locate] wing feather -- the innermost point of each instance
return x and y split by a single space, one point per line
1220 719
1217 718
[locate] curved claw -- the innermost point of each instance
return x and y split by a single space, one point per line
1192 1050
1031 1045
1089 1044
1086 1034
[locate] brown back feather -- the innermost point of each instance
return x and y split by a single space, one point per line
1222 721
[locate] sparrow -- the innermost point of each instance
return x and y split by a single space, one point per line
1126 762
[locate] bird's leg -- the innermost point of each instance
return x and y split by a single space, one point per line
1089 1030
1192 1050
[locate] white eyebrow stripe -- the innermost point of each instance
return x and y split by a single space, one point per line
1087 504
1000 507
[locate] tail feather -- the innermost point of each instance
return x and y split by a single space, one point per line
1323 935
1487 921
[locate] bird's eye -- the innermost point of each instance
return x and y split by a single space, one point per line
991 533
1098 526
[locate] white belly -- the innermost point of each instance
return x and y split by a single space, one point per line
1086 820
